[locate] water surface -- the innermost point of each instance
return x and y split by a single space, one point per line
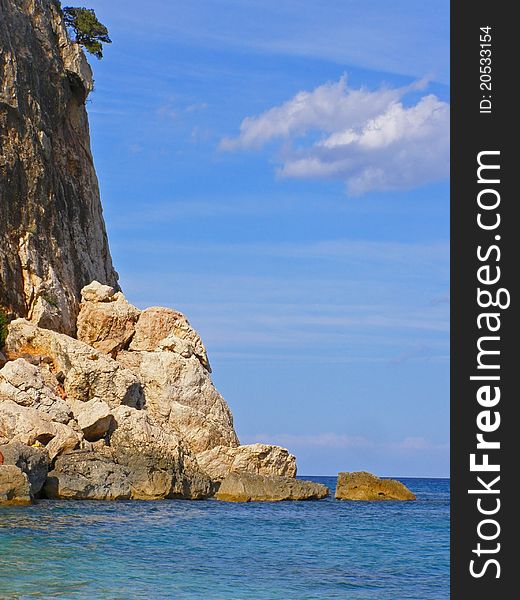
214 550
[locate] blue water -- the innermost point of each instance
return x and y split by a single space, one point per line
214 550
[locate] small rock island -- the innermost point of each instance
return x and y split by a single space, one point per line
363 486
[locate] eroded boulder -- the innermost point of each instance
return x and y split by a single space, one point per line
106 320
365 486
87 373
181 398
260 459
28 385
94 418
157 323
31 427
97 292
14 486
246 487
158 464
33 462
84 475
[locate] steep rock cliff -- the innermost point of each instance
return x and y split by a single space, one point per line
115 402
52 233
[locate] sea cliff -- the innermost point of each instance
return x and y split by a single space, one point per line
53 238
98 399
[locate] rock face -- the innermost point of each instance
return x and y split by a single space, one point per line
142 462
365 486
181 397
114 401
157 323
52 234
85 475
27 385
259 459
246 487
14 486
106 320
31 461
160 466
86 372
30 426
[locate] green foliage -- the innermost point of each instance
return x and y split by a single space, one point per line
3 328
51 300
88 31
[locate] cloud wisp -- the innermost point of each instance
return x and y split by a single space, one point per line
344 441
370 140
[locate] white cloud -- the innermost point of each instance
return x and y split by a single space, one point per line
320 440
369 139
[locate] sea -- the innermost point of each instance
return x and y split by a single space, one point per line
218 551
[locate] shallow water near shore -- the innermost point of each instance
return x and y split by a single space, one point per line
215 550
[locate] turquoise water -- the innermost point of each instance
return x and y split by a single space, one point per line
212 550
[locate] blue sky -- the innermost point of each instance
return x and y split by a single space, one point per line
279 173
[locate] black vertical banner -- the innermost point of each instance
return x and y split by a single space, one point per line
484 303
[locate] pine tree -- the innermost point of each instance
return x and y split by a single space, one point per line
88 31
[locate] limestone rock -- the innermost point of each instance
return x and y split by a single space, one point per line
74 61
246 487
97 292
52 235
93 417
158 464
157 323
172 343
29 426
87 372
142 462
48 309
181 397
31 461
260 459
84 475
14 486
107 325
25 384
365 486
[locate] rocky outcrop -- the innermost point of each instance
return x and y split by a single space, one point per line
85 475
169 329
14 486
141 462
246 487
119 401
159 464
52 234
259 459
32 427
181 398
368 487
147 425
27 385
31 461
106 320
94 418
86 372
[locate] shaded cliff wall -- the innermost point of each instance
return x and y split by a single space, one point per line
52 234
